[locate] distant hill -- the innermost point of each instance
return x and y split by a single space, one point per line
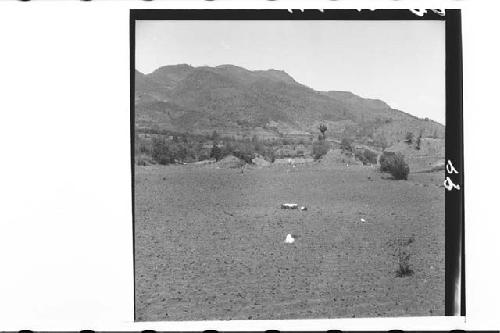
268 103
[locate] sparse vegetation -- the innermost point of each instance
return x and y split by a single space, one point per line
320 148
402 253
380 141
404 268
180 148
346 144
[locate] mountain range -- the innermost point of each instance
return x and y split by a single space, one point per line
267 103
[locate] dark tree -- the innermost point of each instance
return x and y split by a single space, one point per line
216 152
322 129
419 139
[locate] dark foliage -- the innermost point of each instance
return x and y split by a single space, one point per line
346 144
366 156
322 128
404 268
161 152
395 165
370 156
385 163
216 153
320 148
409 137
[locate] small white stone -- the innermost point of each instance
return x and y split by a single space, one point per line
289 239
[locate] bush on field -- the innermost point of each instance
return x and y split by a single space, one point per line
395 165
269 155
244 155
359 156
319 149
370 156
242 150
161 152
366 156
384 163
247 150
404 267
216 153
167 152
346 144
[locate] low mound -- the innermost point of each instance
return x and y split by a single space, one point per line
230 162
205 162
260 161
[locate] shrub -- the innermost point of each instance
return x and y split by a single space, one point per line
366 156
360 156
395 165
167 152
384 163
346 144
370 156
161 153
244 155
216 153
409 137
320 148
404 268
269 155
240 149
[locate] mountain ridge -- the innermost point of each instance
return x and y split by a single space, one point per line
232 99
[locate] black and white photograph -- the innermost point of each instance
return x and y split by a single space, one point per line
288 169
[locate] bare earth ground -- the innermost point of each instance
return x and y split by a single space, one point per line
209 243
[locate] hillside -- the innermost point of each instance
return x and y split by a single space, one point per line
235 101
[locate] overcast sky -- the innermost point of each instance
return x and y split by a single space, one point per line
399 62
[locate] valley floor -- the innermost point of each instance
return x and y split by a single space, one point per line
209 243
